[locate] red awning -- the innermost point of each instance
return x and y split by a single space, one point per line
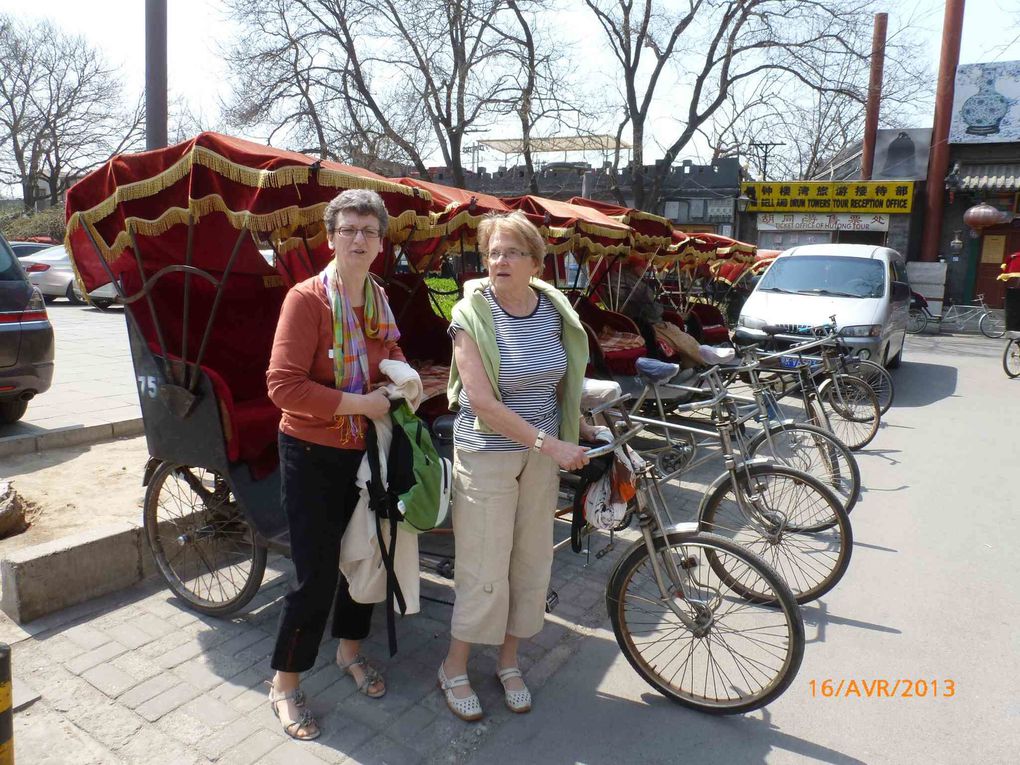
224 184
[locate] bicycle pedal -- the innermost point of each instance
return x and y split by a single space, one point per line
445 568
605 550
688 563
552 599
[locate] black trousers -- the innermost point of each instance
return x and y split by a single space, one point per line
319 495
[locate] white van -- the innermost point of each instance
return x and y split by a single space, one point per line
864 286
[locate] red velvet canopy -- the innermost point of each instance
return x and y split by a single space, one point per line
223 184
650 232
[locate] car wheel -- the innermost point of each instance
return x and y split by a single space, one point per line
12 411
49 298
74 297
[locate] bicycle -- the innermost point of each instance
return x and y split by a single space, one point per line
843 404
790 518
804 446
958 316
1011 356
704 621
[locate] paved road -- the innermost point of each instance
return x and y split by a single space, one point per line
93 379
930 594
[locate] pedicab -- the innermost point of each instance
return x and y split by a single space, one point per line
202 241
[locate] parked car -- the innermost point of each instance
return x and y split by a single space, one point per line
26 339
21 249
50 270
864 286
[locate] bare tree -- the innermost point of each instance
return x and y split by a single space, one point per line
713 46
397 80
60 110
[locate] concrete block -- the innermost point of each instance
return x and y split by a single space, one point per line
73 436
128 428
47 577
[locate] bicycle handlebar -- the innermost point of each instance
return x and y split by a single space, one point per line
609 448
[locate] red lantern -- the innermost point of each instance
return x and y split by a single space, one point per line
984 215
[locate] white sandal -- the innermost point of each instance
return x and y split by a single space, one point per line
468 709
516 701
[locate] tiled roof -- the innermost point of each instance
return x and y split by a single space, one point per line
990 177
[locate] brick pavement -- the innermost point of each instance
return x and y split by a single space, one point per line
135 677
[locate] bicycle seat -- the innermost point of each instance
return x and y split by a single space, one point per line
654 371
442 427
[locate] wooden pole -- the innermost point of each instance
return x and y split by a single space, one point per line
952 29
874 95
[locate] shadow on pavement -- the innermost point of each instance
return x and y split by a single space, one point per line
583 721
816 615
920 384
31 462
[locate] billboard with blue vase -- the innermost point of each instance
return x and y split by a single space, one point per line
986 104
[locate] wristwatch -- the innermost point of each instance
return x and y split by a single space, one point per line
539 440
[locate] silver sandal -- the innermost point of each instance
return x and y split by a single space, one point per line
371 675
306 719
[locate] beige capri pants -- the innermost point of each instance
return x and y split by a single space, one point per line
503 510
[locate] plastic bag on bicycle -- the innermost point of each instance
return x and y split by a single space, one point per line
606 499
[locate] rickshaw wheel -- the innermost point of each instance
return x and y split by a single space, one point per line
201 542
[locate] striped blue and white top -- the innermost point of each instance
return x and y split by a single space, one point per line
532 361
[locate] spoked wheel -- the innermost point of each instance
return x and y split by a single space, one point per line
992 325
916 321
878 379
852 409
202 544
736 655
794 522
1011 358
815 451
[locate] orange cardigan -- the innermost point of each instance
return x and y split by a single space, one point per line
301 379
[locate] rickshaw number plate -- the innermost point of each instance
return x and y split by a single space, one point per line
789 362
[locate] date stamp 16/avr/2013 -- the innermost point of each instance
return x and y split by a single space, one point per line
883 688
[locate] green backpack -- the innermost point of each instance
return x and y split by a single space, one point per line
417 495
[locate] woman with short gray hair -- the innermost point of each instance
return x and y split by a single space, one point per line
334 330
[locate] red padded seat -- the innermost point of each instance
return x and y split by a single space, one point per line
712 324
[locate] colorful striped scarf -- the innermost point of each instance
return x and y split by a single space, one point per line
350 353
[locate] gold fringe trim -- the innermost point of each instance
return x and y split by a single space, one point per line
284 176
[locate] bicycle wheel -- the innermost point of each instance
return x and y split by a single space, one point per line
992 325
877 378
794 522
201 542
740 654
815 451
916 321
1011 358
852 409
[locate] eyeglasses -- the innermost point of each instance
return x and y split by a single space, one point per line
349 232
510 253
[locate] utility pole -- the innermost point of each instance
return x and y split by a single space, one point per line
952 31
874 95
155 74
761 151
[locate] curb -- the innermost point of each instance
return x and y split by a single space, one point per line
73 435
50 576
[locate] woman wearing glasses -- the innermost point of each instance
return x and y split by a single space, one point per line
518 365
333 331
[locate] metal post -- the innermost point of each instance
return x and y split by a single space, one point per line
952 29
874 95
155 74
6 707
